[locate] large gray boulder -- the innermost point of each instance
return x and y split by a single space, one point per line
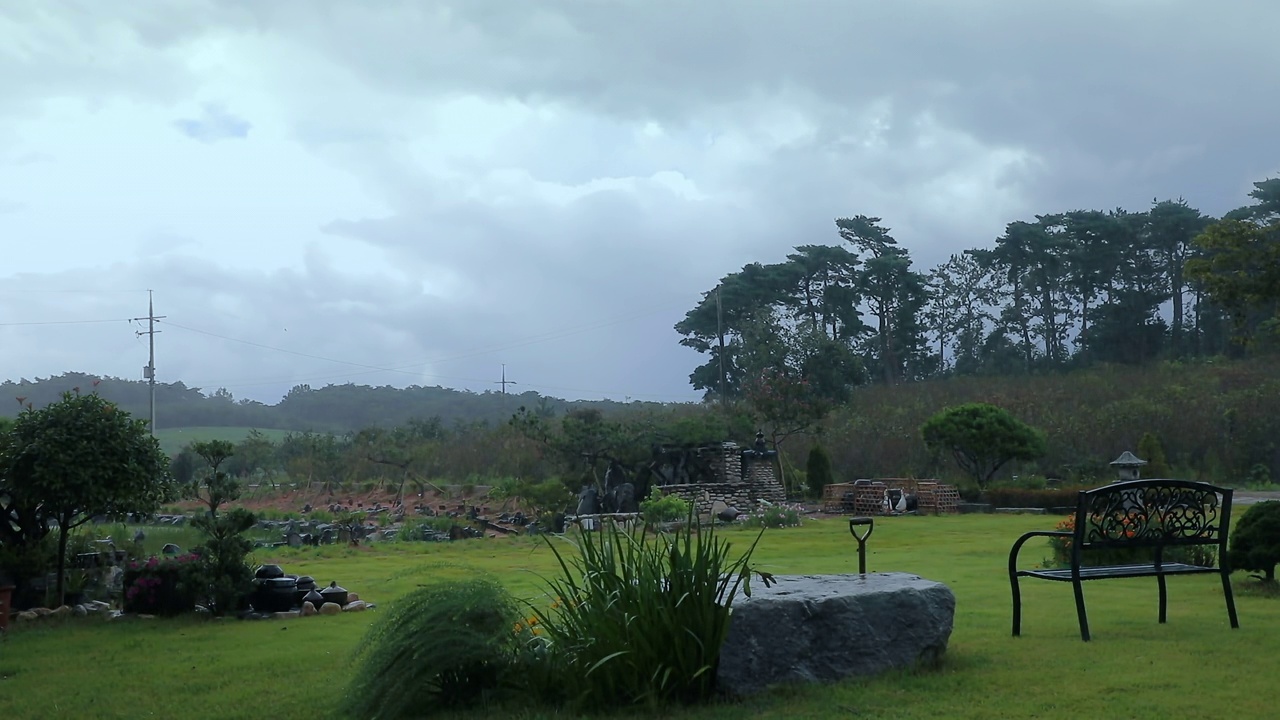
821 628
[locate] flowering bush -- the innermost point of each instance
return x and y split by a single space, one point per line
773 516
163 586
1061 546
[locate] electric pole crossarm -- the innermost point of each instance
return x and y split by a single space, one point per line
149 372
504 382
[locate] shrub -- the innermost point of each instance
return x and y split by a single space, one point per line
1017 497
1255 544
639 618
439 647
1150 449
818 470
660 508
1259 475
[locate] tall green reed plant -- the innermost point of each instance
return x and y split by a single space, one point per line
638 617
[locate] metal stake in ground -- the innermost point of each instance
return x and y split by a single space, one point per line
854 523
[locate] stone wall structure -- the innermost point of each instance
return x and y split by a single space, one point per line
743 479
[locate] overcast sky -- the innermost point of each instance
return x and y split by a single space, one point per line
404 193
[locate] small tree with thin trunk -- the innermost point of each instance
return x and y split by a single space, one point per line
83 457
223 553
982 438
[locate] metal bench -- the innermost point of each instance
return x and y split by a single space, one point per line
1152 515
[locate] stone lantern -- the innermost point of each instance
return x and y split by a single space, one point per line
1128 466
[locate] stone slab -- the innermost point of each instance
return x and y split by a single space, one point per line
824 628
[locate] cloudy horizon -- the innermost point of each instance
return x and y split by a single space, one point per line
418 193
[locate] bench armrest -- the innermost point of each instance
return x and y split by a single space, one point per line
1013 553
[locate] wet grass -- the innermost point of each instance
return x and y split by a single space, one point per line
1194 666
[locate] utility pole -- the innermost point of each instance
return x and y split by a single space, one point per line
504 382
149 372
720 333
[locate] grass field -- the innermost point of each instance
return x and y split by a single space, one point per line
172 440
1193 667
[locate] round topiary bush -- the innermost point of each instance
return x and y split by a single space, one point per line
1255 542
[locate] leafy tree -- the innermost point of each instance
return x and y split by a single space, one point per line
256 453
1240 270
1255 542
895 294
727 309
217 488
585 441
824 290
982 438
411 449
794 377
79 458
1171 229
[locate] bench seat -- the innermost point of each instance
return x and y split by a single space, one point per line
1118 571
1158 516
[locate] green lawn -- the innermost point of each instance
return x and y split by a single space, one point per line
1193 667
172 440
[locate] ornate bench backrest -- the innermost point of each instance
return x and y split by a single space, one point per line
1153 513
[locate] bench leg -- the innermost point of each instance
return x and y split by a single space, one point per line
1017 606
1231 600
1164 595
1084 619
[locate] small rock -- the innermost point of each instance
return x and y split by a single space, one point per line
289 615
42 612
354 606
352 597
61 611
80 610
27 615
308 609
330 608
145 616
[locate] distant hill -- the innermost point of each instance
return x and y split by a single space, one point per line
332 408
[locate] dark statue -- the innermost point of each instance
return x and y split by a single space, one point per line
588 501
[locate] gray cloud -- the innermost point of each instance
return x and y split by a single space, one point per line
556 182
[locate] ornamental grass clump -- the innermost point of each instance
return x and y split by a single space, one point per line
440 647
638 617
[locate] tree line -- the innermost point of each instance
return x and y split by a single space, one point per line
1065 290
335 409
